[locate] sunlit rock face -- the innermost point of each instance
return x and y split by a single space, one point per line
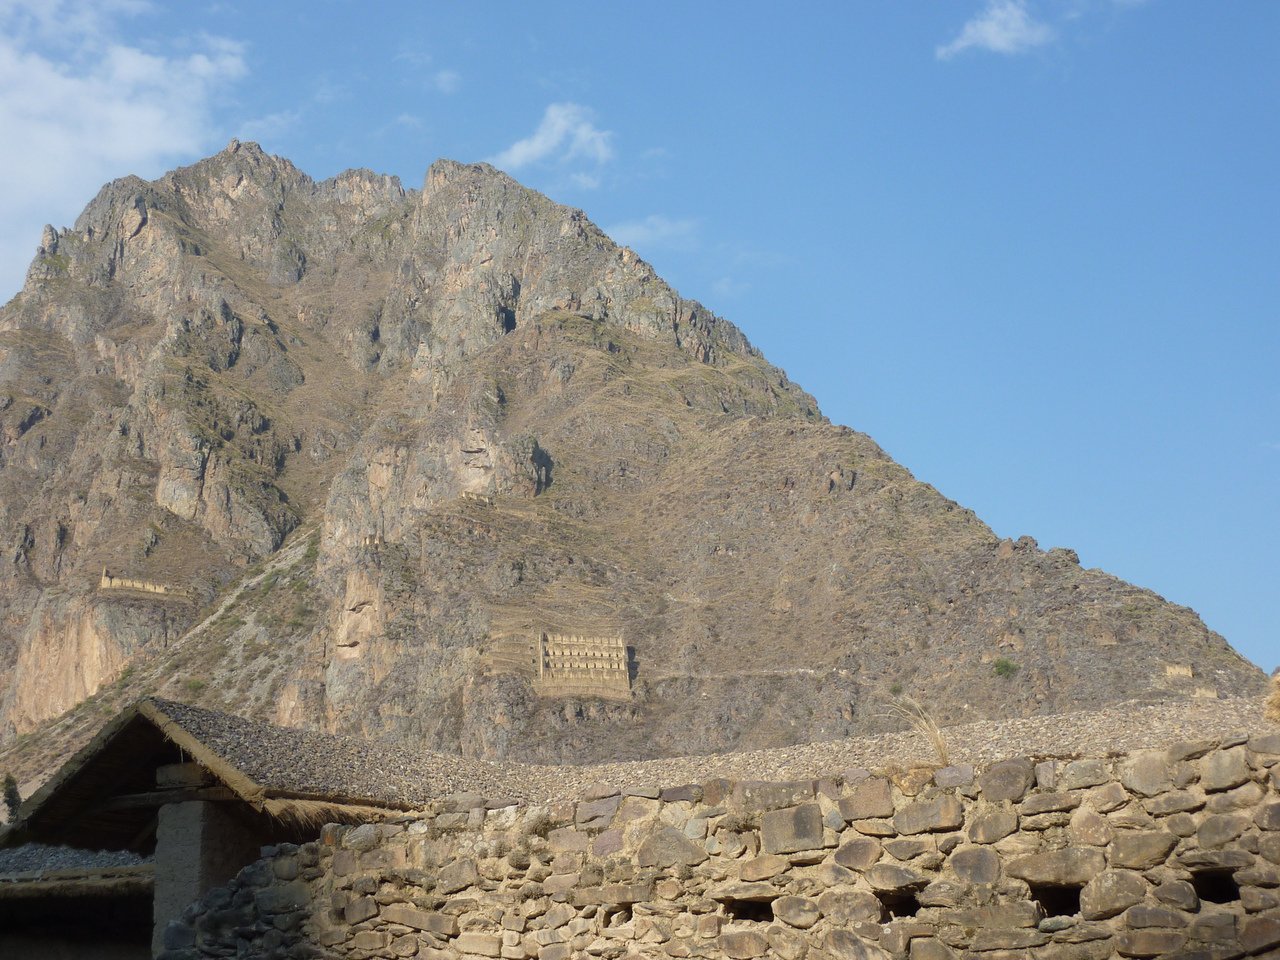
378 441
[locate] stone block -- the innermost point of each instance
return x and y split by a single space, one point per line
1256 900
404 946
1008 780
847 945
369 941
743 944
892 877
1220 829
1147 773
908 848
596 813
1069 866
688 792
1215 859
770 865
1141 849
1002 916
927 948
1090 829
1247 795
479 943
283 897
875 828
1179 894
668 847
736 890
1110 893
360 909
1083 773
792 829
1260 933
786 944
943 893
931 815
362 838
868 800
1108 797
615 893
975 864
1047 775
1223 769
607 843
1144 915
1049 803
567 839
1010 939
990 824
956 775
599 791
1149 943
1177 801
844 907
798 912
457 875
438 923
754 796
1268 743
1268 816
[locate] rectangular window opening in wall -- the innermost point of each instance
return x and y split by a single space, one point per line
1057 901
756 911
898 904
1216 886
617 916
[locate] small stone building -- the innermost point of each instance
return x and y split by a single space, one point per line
180 799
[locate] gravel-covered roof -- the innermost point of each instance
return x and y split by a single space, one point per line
41 858
296 762
304 763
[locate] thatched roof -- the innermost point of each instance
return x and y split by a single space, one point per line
298 775
303 764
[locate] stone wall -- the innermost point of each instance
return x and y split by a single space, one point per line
1161 853
569 665
109 582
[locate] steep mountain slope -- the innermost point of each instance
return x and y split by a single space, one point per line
374 442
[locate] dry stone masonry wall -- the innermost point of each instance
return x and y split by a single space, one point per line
1161 853
109 582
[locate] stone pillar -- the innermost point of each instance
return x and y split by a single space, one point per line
199 845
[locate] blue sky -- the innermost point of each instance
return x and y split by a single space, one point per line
1033 248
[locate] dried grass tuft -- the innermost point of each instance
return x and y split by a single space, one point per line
1273 701
919 719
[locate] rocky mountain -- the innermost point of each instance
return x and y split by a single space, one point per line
341 454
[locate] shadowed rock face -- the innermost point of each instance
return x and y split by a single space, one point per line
384 438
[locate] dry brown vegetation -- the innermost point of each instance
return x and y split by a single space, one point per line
1273 701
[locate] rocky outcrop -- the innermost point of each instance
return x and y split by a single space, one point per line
368 429
1171 852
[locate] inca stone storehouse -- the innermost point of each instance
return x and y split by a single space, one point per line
1169 852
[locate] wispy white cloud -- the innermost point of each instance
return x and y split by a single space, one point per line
567 133
654 231
78 107
447 81
268 128
1002 26
729 287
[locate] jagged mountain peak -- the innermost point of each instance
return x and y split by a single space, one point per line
371 446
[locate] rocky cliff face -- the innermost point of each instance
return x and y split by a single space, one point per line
384 438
